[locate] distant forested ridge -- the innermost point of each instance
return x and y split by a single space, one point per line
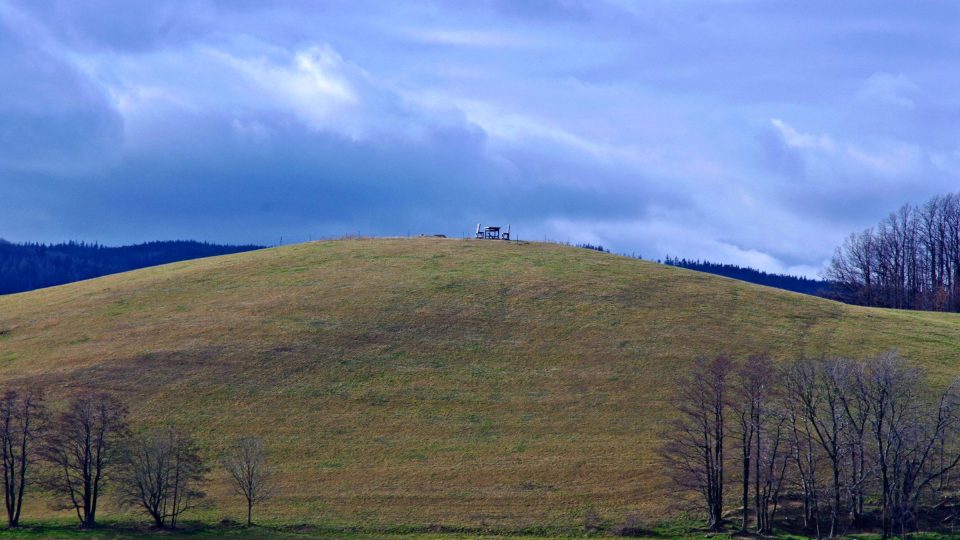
910 260
814 287
803 285
24 267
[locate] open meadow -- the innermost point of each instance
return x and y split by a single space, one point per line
496 386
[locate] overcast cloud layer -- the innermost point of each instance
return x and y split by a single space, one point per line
757 133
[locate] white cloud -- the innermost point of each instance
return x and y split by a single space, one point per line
469 38
130 99
889 159
889 89
642 114
313 84
660 236
797 139
947 162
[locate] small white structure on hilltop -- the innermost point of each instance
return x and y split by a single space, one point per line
492 233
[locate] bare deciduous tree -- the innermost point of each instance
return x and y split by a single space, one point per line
849 436
911 259
252 476
888 383
813 387
856 407
772 462
161 472
746 402
757 379
82 446
910 433
694 452
22 421
804 457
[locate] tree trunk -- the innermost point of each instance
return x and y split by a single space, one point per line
835 512
756 473
746 484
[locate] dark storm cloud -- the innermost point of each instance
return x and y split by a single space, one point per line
753 132
52 118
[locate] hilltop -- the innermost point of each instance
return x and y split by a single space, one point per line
430 381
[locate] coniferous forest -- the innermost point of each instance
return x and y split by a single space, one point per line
24 267
799 284
815 287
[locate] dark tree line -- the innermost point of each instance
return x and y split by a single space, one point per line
24 267
594 247
839 445
911 260
87 447
814 287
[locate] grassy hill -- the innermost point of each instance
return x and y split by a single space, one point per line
419 381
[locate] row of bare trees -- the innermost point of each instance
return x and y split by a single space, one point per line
76 453
911 260
839 445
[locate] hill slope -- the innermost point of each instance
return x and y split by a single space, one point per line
429 380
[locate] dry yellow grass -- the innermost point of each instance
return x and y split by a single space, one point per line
415 381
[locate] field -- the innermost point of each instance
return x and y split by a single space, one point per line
416 382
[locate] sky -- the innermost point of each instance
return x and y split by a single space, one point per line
759 133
